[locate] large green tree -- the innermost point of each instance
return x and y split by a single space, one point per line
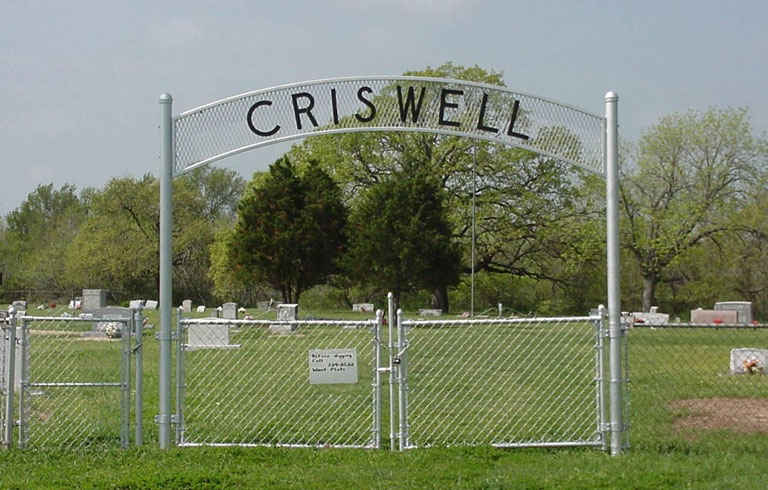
35 236
400 239
690 177
290 230
523 200
118 246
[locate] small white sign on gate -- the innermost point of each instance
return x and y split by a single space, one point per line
332 366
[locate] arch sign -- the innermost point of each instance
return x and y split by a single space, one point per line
413 104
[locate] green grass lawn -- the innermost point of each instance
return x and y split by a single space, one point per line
666 366
679 466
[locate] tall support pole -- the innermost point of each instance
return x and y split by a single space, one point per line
393 375
166 270
474 219
614 286
10 381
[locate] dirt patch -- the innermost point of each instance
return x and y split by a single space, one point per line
742 415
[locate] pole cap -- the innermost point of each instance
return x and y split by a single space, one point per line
166 99
611 96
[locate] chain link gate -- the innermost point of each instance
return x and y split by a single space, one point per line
278 383
71 383
502 382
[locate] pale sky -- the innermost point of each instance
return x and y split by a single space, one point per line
80 80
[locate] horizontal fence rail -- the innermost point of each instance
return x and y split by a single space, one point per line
271 383
691 380
505 382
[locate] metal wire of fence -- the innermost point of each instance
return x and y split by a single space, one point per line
75 388
252 382
505 382
693 380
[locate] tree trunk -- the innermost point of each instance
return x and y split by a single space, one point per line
396 299
649 292
440 298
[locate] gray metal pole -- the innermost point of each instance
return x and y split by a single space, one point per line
474 193
166 271
402 344
138 324
614 283
377 380
10 381
391 323
181 385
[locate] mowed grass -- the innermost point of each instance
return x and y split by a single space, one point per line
666 365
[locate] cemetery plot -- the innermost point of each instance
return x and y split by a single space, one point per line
689 380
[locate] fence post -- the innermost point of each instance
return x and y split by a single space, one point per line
166 270
377 380
125 383
402 345
180 381
601 376
614 282
10 381
391 322
138 324
24 385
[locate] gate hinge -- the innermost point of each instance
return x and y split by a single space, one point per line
173 419
159 336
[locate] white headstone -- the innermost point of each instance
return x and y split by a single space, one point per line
283 328
209 336
742 308
749 361
136 303
201 309
150 304
430 312
287 312
363 307
714 316
93 299
650 318
229 311
263 305
186 306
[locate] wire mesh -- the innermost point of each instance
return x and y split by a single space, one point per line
486 112
74 386
527 382
692 381
248 383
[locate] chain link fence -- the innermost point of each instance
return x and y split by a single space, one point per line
270 383
66 381
692 381
504 382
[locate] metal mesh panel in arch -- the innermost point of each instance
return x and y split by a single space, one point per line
442 106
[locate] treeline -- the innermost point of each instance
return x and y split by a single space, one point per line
346 218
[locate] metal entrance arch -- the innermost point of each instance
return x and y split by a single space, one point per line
411 104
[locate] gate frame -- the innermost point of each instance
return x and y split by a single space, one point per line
132 326
611 174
